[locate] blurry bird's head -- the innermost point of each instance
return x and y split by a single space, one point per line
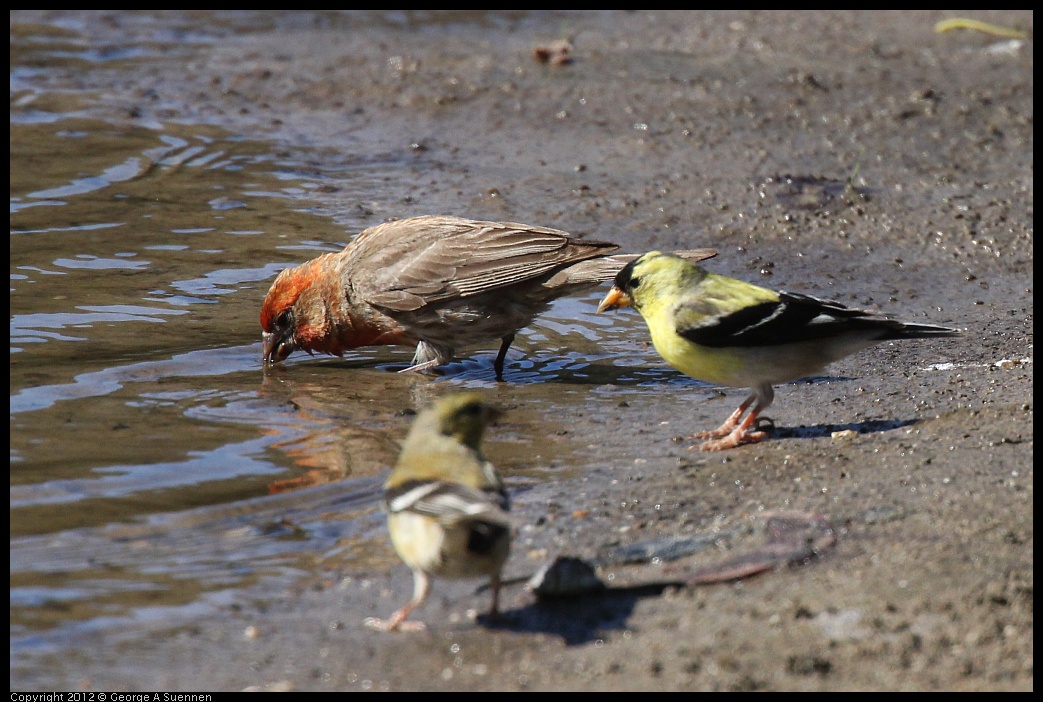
462 416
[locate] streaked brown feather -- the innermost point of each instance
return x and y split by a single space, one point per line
424 260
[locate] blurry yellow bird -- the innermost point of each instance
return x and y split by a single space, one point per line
729 332
447 506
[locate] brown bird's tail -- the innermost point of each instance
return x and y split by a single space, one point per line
603 268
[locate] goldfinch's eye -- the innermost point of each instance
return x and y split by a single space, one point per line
633 283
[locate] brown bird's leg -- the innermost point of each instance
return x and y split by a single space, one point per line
397 622
498 363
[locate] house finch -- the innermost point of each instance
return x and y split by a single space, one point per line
436 282
726 331
446 505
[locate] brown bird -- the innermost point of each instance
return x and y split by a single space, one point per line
435 282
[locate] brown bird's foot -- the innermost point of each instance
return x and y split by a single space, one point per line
421 367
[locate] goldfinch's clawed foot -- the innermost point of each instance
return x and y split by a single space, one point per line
732 434
738 437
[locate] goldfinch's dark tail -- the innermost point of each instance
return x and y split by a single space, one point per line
907 330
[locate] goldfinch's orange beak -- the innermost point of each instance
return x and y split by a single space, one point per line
615 298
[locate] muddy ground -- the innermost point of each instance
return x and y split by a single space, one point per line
855 155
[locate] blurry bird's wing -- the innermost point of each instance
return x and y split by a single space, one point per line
415 262
449 502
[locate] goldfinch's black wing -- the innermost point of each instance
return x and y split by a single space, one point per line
791 318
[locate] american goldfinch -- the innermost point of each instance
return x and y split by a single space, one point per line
446 505
433 282
725 331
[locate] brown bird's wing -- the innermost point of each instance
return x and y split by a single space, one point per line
602 268
414 262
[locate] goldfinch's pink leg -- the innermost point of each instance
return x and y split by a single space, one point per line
729 424
735 433
739 435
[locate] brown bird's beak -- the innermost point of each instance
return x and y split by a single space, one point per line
274 349
267 347
615 298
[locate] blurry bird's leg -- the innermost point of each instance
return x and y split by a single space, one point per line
494 583
494 607
502 355
397 622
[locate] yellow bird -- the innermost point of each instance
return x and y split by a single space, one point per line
447 506
729 332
